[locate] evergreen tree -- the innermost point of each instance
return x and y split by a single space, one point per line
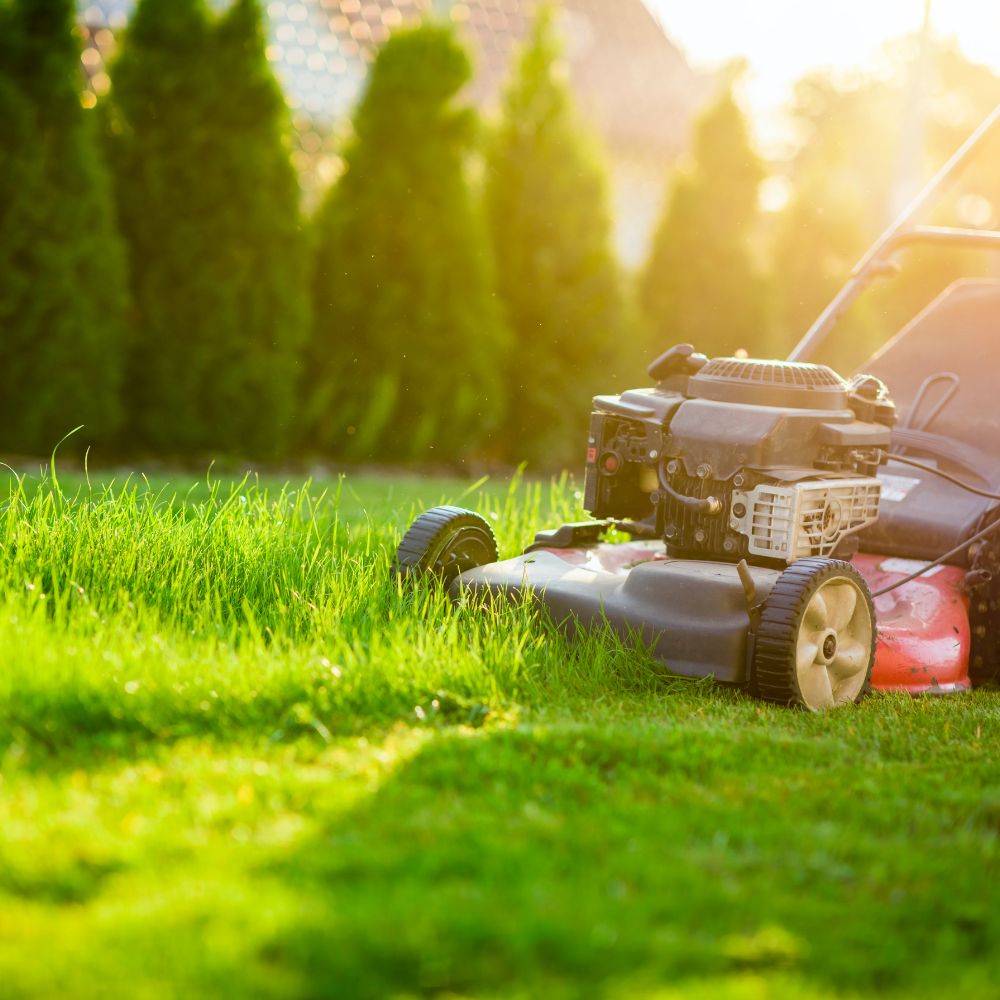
63 289
209 203
407 343
557 276
700 284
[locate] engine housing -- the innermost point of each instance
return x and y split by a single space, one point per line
737 458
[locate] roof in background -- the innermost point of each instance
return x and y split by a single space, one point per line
628 76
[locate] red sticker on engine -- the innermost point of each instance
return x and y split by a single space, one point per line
591 456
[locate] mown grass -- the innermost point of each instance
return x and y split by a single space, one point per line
236 759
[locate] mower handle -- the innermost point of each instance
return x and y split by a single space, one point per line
898 235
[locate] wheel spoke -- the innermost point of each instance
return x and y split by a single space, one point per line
851 659
806 652
841 601
815 687
816 612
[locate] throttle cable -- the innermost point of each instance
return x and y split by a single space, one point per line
954 480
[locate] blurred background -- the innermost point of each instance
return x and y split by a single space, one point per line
426 232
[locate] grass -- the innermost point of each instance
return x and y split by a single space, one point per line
235 759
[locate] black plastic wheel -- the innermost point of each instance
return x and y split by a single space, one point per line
815 641
443 542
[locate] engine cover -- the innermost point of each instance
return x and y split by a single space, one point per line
736 458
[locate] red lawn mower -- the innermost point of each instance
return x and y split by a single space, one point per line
796 533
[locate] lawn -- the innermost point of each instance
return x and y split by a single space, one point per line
237 760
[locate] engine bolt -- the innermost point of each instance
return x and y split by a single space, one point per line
739 479
729 545
672 466
699 535
670 530
703 471
739 510
653 453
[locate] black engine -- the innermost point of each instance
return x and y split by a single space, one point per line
732 458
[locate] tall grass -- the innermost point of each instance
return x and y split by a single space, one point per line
138 610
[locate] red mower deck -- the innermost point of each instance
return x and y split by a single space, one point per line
923 626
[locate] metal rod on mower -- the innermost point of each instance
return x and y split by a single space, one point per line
876 257
984 239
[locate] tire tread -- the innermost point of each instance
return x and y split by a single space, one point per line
772 675
426 533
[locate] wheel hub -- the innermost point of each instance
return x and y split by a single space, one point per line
829 647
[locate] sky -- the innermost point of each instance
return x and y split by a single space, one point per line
783 39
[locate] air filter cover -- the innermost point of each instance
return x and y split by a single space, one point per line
790 384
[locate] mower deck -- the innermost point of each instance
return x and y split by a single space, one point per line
692 615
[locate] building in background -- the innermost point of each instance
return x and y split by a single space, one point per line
631 82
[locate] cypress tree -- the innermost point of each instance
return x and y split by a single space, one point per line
557 275
700 284
209 204
407 343
63 288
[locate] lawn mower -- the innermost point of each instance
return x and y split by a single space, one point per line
802 535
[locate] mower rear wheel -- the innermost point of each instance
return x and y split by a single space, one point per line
815 642
443 542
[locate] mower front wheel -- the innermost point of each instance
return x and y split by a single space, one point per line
814 644
443 542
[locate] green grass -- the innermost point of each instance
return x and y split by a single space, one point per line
236 760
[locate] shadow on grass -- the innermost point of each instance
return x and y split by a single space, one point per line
541 858
687 838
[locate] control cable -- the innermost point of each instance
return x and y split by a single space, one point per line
983 533
954 480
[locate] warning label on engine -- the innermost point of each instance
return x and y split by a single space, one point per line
895 488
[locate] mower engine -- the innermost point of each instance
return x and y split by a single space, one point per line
736 459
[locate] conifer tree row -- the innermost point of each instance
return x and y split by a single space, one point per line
209 204
63 288
414 326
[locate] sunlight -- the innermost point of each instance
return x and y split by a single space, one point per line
784 39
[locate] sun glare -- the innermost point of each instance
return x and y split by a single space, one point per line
784 39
